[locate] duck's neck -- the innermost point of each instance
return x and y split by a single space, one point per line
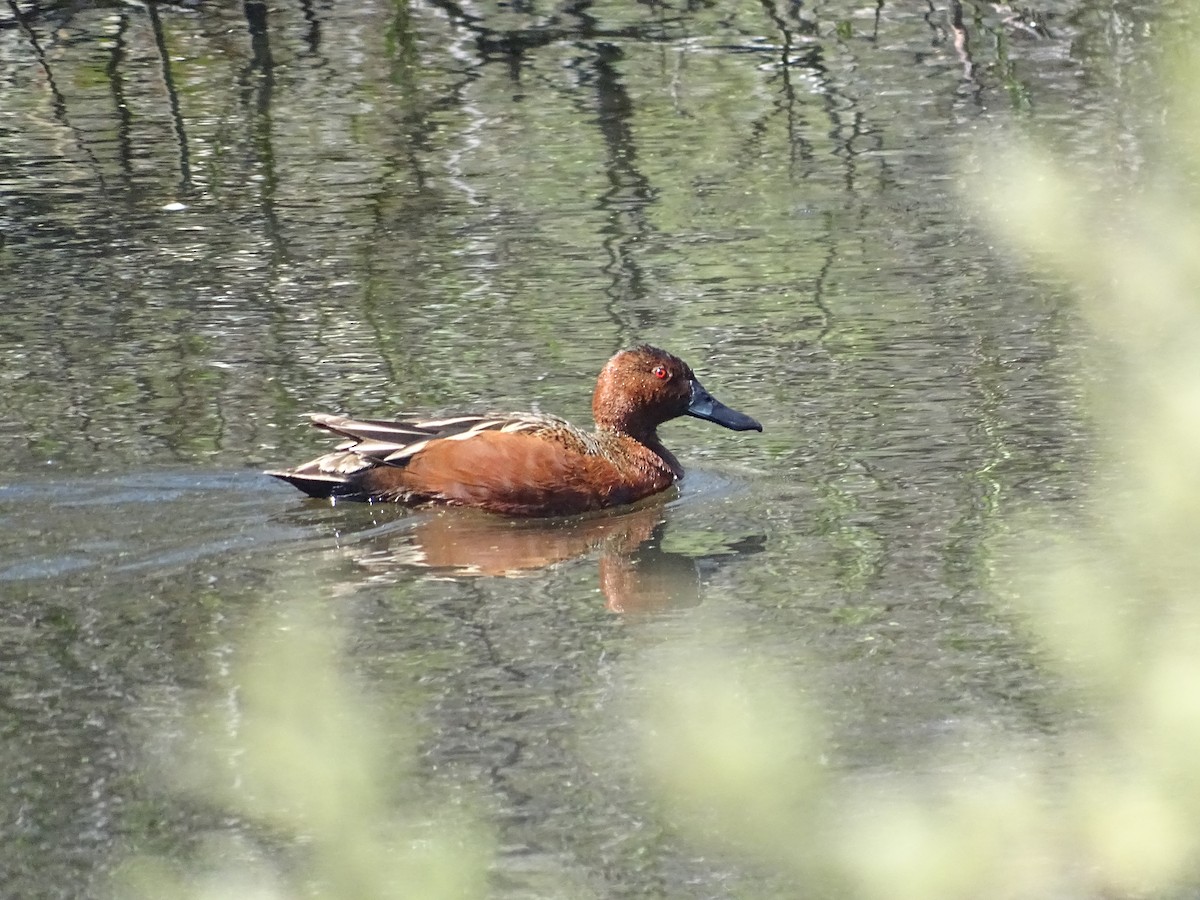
648 438
665 455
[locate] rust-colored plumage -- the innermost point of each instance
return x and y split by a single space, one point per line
522 464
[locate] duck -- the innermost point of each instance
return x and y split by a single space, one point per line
523 464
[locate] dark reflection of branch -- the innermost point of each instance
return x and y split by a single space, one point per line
260 45
847 130
810 59
416 122
875 22
177 122
629 192
931 16
313 38
800 148
260 83
117 86
834 101
823 276
515 42
59 102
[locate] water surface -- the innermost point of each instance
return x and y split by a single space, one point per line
215 218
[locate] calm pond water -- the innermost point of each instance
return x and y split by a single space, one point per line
217 217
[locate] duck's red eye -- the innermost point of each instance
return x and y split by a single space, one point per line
661 372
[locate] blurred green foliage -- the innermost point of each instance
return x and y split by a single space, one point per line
1111 807
321 790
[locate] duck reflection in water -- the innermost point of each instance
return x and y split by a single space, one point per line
530 466
636 574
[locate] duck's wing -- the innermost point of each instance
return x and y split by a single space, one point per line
380 442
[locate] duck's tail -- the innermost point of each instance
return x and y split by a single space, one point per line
316 484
